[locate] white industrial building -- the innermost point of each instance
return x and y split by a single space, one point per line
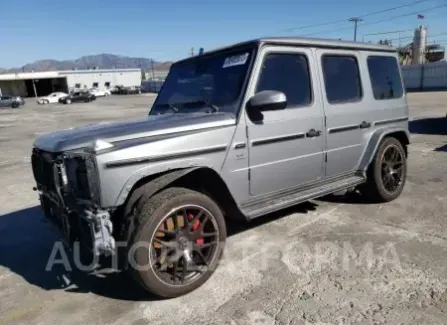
34 84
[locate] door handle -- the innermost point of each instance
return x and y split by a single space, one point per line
312 133
365 125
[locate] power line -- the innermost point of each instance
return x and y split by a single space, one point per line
380 21
404 15
393 32
409 37
437 42
363 16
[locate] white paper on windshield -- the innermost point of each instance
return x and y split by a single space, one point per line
235 60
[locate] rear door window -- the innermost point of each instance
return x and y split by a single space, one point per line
385 77
341 79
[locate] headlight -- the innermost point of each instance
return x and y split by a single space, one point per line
82 177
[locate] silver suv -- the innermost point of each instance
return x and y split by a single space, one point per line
238 132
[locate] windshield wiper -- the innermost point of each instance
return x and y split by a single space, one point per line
171 106
206 103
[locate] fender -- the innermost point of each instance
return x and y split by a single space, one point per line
374 142
155 185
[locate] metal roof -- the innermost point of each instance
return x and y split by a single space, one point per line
59 74
308 42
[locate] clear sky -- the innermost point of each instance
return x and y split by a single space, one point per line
165 30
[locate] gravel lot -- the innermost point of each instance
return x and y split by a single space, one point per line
330 261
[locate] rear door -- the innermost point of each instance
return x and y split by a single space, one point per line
345 108
282 152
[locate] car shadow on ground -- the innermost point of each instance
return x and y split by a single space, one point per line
27 242
348 198
442 148
26 245
431 126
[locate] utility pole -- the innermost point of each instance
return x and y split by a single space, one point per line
191 51
355 20
152 68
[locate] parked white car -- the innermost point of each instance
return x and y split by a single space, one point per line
51 98
100 92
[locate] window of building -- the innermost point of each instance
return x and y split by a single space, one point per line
341 79
95 85
288 73
385 77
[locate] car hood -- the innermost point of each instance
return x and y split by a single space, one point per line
150 126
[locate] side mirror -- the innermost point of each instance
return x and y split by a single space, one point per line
266 100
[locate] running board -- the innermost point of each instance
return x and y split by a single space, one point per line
280 201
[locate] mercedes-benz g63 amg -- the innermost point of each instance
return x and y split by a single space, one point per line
237 132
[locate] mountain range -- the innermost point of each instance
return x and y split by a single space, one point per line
100 61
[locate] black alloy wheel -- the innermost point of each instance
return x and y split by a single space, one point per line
184 245
176 242
392 169
387 172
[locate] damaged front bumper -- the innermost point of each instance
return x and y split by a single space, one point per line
77 220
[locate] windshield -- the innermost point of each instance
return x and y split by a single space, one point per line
214 81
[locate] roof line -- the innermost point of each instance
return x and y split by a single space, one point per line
303 41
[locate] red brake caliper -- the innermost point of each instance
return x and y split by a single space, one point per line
199 241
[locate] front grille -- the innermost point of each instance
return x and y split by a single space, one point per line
42 164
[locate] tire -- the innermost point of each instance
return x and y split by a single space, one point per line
153 214
15 105
380 175
46 102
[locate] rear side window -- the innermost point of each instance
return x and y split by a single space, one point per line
288 73
385 77
341 79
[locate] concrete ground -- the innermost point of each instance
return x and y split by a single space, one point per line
330 261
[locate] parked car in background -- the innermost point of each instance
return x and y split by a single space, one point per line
100 92
51 98
11 101
121 90
133 90
117 90
79 96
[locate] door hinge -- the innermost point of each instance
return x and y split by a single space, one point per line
246 131
325 122
325 157
249 174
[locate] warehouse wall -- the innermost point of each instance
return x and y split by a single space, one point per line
428 76
115 77
13 88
